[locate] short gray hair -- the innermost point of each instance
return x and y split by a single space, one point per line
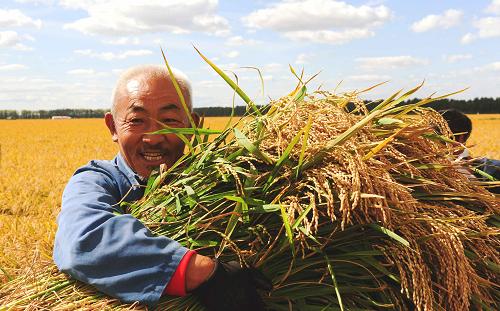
154 71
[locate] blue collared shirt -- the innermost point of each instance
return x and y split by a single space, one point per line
100 245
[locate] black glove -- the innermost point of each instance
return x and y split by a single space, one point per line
233 288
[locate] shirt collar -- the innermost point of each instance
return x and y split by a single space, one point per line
131 175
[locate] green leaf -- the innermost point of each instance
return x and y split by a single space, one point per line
187 110
248 145
300 95
202 243
304 214
388 121
243 208
231 83
288 229
390 234
185 131
334 280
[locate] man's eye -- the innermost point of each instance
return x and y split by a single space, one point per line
136 121
170 121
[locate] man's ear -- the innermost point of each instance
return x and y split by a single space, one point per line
110 123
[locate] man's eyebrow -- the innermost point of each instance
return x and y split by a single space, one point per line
136 107
168 107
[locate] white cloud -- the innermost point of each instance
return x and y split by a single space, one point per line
240 41
11 67
81 72
446 20
491 67
41 93
389 62
123 41
334 22
16 18
494 7
453 58
303 58
125 17
13 40
111 55
327 36
233 54
368 78
488 27
272 67
467 38
37 2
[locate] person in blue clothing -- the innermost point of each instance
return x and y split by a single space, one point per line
97 243
461 127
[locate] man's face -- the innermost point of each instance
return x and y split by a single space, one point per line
143 102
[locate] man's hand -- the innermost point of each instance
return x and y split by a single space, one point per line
232 287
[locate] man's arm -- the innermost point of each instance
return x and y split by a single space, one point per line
116 253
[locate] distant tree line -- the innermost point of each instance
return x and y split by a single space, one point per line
476 105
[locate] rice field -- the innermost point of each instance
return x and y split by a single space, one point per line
37 157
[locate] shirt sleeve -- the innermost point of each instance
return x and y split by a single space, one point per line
115 253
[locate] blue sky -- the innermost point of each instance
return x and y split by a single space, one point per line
68 53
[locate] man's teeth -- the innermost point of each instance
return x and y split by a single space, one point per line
153 156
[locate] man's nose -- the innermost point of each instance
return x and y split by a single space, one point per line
153 139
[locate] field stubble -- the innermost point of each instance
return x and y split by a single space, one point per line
37 157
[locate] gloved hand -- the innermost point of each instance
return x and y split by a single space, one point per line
233 288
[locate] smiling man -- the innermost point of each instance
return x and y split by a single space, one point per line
99 244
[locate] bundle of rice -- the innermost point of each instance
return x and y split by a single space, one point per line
344 206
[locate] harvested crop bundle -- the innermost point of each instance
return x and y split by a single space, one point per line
344 206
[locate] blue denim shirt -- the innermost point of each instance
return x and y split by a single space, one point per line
115 253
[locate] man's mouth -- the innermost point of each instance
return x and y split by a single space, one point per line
153 156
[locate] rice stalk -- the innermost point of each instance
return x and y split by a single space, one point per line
342 208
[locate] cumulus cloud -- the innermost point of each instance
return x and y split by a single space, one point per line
125 17
368 78
491 67
123 41
389 62
111 55
16 18
12 39
37 2
12 67
446 20
487 27
303 58
240 41
335 22
327 36
494 7
80 72
453 58
232 54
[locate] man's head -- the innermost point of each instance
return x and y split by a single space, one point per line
460 125
143 97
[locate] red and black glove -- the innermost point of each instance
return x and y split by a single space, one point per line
232 287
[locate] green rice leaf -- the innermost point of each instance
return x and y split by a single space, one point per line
231 83
390 234
248 145
185 131
187 110
334 280
288 229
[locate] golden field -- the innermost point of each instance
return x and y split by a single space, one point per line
37 157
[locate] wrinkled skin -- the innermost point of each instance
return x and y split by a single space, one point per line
140 104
